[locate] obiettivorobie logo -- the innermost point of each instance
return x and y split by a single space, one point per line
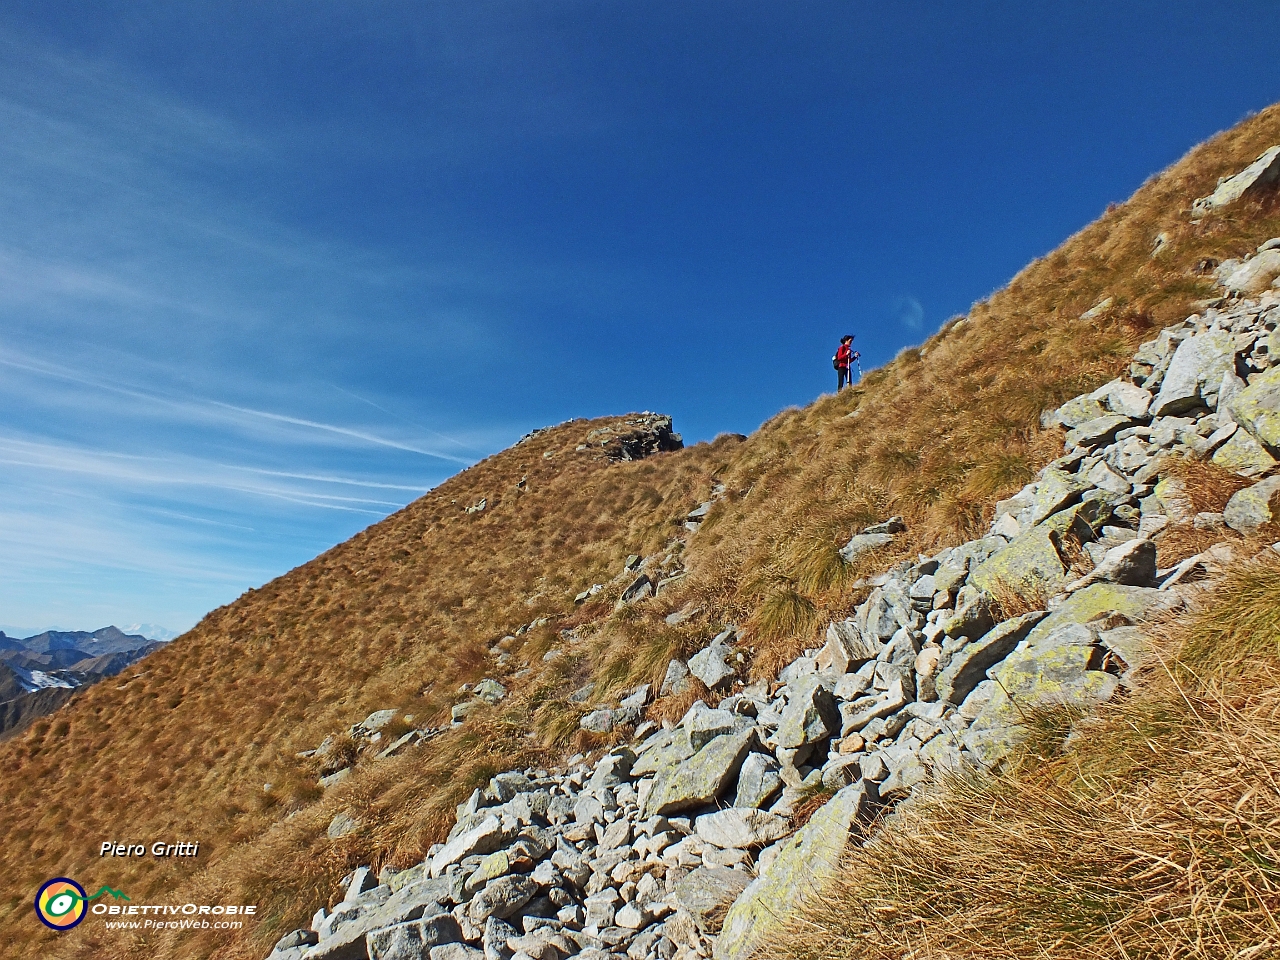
62 903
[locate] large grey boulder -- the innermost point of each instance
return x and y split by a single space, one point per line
969 666
676 680
741 828
803 864
1261 173
811 714
1199 362
1249 509
1123 398
701 778
597 721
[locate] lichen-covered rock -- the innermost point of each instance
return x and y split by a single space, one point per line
1030 561
969 666
1249 509
804 862
665 748
699 779
1056 669
1257 409
1131 603
1244 455
1080 410
1055 490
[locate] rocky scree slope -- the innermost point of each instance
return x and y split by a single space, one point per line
685 844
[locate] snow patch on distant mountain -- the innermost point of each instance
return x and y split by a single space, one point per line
33 680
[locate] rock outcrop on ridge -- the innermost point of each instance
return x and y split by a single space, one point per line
689 842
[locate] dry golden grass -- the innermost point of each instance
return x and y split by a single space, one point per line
1154 831
408 610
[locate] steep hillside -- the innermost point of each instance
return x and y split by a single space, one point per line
445 593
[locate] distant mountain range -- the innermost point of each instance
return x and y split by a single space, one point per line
39 674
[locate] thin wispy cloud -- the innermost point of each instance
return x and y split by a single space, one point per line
908 312
168 353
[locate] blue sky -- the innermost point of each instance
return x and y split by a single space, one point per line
268 271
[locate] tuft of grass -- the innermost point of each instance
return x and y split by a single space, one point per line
1013 600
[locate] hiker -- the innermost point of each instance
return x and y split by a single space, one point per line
843 358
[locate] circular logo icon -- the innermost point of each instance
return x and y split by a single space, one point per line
61 903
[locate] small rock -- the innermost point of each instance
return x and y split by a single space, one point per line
709 666
758 781
676 680
342 825
597 721
741 828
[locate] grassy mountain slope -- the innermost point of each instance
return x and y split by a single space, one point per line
408 610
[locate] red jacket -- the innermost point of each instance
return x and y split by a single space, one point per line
844 356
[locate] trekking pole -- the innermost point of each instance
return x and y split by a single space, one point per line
857 358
